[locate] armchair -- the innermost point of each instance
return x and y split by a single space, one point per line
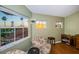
42 44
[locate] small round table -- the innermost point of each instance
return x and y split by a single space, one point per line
51 40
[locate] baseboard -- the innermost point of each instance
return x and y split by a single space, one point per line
58 42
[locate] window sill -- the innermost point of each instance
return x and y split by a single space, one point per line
12 44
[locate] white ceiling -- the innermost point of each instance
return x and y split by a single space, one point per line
54 10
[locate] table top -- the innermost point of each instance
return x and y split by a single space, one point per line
51 38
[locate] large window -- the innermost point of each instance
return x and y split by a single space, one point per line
12 27
40 24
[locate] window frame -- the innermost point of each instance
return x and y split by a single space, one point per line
2 48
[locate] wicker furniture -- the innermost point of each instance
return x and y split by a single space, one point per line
76 41
51 40
66 39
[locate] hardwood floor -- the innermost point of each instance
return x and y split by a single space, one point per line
61 48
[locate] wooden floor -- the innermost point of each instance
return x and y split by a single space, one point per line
61 48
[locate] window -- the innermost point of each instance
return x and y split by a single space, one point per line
40 24
59 24
12 27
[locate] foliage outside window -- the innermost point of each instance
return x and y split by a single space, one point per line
12 28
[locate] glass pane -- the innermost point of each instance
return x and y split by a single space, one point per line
7 35
25 32
19 33
40 24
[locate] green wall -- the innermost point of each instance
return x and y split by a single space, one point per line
26 44
51 30
72 24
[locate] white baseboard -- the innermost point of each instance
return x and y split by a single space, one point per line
58 42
